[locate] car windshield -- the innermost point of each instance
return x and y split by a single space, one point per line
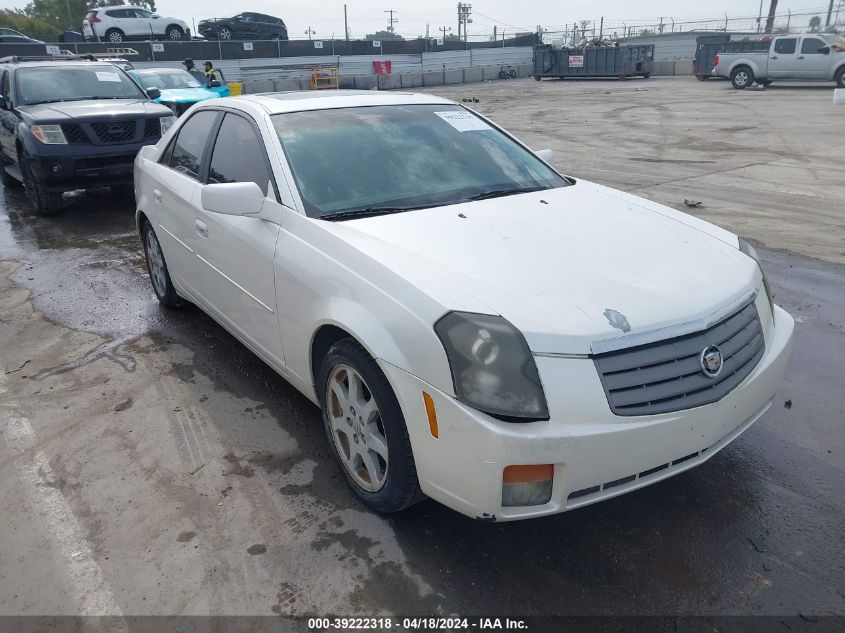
168 80
74 83
401 157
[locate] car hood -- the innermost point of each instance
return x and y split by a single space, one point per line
567 266
186 95
94 109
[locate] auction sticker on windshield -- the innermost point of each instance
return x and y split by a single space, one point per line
463 121
107 76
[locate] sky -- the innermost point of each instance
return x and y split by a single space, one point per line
367 16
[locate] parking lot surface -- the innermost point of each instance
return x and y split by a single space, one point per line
150 464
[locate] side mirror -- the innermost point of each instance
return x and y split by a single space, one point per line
155 16
153 93
239 18
233 198
545 154
825 50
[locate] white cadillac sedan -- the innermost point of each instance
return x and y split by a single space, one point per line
475 326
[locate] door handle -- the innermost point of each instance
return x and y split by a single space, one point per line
201 227
773 57
157 196
800 57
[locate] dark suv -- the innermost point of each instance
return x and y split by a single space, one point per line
70 124
244 26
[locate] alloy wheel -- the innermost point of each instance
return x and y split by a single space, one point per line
357 428
155 258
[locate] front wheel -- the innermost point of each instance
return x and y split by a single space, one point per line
174 33
840 77
8 179
224 33
45 202
366 429
157 267
503 74
742 77
512 73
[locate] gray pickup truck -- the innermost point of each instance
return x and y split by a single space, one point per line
805 57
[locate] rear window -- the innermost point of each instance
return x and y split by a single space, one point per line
49 84
785 47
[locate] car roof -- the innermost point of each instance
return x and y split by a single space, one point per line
280 102
59 63
163 69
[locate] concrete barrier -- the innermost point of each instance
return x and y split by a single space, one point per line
490 72
453 77
252 86
664 69
389 82
366 82
525 70
411 80
683 67
346 82
472 75
294 83
433 79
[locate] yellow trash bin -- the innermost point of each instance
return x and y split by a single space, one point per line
235 88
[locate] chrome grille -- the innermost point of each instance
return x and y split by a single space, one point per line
114 131
666 376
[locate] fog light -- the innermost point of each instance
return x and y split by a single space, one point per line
527 485
56 169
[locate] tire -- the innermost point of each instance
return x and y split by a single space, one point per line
503 74
389 483
537 78
157 267
43 201
742 77
512 73
115 36
174 33
8 180
224 33
840 77
646 75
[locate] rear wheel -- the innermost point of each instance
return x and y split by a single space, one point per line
512 73
174 32
840 77
115 36
503 74
157 267
366 429
224 33
742 77
43 201
8 179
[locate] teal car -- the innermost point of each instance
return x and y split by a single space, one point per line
179 90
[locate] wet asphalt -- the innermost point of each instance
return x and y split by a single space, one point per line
758 529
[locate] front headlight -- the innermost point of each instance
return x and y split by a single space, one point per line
746 248
492 367
166 122
49 134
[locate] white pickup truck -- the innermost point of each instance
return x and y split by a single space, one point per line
797 57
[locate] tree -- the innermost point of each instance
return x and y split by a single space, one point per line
383 35
815 23
29 26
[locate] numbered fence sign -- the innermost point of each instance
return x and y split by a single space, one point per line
53 50
158 47
247 46
318 44
376 43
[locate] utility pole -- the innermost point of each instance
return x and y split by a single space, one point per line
310 32
770 20
391 20
829 13
601 28
464 11
345 24
760 17
444 30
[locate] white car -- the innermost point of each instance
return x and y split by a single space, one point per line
128 22
475 326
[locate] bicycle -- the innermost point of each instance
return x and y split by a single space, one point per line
506 72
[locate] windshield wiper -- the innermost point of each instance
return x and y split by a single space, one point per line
368 212
75 99
499 193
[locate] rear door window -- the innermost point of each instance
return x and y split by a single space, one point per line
786 46
812 46
189 145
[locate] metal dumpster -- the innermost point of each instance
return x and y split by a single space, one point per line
594 61
708 46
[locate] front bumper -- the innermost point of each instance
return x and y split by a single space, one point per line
61 171
596 454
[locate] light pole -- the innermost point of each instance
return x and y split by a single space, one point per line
310 32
